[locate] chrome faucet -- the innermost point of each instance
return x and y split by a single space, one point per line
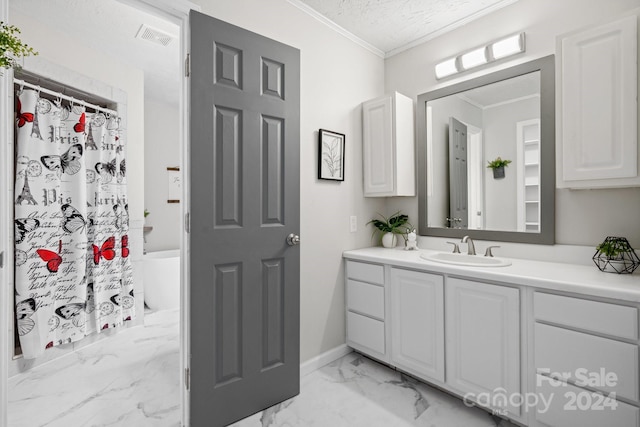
471 249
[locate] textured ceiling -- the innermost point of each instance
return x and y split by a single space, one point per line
394 25
110 27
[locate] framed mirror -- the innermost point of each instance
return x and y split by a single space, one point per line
466 129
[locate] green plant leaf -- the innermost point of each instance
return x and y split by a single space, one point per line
498 163
11 47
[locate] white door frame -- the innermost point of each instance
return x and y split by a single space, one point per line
176 11
6 216
475 149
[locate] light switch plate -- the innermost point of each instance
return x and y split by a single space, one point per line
353 223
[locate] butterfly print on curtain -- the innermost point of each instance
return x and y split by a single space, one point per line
71 225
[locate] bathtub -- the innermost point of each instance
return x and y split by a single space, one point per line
161 276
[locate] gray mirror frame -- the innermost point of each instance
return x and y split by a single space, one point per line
546 67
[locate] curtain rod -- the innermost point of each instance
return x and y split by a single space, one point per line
63 96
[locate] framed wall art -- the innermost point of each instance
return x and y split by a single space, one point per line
330 155
174 184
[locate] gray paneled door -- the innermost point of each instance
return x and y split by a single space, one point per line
458 193
245 197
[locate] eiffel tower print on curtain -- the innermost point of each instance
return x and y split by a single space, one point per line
25 195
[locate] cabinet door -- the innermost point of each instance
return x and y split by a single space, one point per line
599 107
565 405
417 323
366 335
483 342
378 147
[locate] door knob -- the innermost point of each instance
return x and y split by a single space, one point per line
293 239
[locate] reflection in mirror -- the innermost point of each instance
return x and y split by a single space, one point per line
508 115
467 130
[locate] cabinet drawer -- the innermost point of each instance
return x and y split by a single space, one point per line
564 410
365 298
372 273
580 355
366 332
611 319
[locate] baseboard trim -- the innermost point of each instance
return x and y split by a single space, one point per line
324 359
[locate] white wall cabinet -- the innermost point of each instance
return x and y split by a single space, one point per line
483 339
388 146
599 115
417 323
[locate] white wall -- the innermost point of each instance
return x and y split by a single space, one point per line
92 72
162 150
500 138
336 77
582 217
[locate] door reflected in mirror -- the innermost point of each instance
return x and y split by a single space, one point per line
468 130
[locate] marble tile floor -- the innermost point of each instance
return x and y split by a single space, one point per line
133 380
355 391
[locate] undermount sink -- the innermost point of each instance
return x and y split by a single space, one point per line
465 259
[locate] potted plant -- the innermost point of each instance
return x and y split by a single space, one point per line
615 255
498 166
11 47
390 227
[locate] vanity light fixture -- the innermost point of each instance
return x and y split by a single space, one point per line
481 55
507 46
446 68
474 58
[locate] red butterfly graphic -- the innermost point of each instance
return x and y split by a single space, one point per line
52 259
125 246
23 118
79 127
107 251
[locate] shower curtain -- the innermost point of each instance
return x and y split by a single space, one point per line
73 274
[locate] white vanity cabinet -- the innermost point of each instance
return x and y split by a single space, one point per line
586 362
365 301
388 146
483 341
417 323
599 89
535 342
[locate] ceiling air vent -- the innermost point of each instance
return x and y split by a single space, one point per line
154 35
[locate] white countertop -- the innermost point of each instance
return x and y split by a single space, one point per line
581 279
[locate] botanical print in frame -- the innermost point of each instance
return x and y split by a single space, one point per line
330 155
